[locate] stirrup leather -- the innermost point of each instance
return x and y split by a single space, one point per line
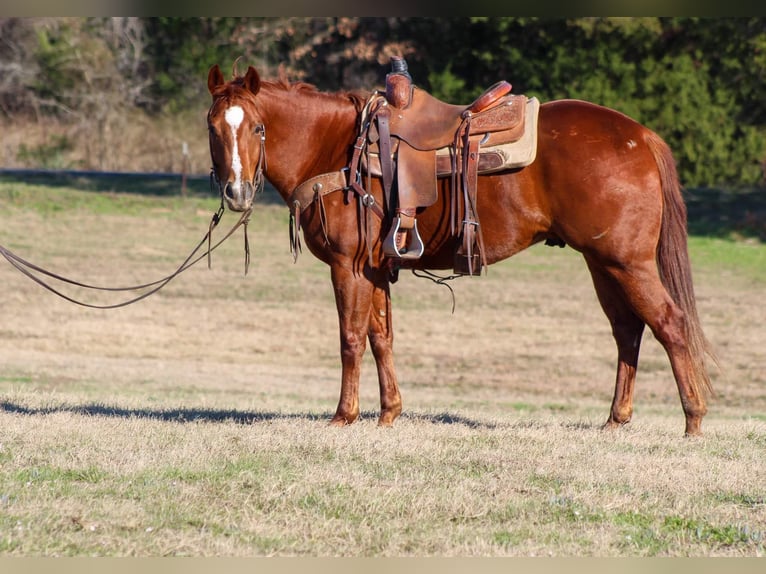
414 247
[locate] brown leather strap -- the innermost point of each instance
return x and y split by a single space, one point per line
469 194
316 187
295 228
406 218
471 176
472 235
384 146
354 166
354 177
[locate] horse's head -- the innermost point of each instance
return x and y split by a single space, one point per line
237 137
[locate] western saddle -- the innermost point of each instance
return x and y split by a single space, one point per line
411 138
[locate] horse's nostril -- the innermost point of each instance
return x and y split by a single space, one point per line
229 191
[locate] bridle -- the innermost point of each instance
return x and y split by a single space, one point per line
259 178
258 183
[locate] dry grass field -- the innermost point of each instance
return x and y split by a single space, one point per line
193 423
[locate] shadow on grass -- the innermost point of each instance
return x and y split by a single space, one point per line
192 415
179 415
447 419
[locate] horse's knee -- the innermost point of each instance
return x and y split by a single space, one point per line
352 346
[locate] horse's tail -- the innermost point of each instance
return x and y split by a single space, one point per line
673 263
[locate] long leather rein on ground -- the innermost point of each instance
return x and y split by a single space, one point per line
30 269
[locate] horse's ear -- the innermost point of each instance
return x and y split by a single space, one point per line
214 78
252 80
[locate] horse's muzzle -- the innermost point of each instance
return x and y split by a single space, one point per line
239 197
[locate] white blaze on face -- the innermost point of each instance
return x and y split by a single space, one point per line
234 116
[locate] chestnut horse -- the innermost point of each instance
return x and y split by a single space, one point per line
601 183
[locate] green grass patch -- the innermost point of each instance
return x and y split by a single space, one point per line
700 531
61 476
22 379
546 482
747 500
743 258
50 201
557 407
644 542
511 538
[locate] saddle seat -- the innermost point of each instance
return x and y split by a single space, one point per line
427 123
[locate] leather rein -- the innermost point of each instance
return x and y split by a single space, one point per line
31 270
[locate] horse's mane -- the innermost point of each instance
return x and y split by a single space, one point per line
357 97
282 82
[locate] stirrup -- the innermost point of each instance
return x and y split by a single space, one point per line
414 248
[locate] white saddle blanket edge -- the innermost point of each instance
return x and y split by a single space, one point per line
516 154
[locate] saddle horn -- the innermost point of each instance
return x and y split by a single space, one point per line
399 83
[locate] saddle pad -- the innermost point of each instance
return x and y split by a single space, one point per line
493 158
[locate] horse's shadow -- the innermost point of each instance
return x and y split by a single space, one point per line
199 415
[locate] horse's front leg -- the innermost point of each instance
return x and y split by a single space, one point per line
353 299
381 334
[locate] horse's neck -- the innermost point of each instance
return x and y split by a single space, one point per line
306 135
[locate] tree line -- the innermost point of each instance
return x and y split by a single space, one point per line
698 82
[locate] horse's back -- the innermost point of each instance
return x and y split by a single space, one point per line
591 131
580 110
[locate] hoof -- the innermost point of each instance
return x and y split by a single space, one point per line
693 427
388 417
612 424
341 421
387 422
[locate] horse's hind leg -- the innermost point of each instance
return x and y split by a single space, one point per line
627 329
650 301
381 335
